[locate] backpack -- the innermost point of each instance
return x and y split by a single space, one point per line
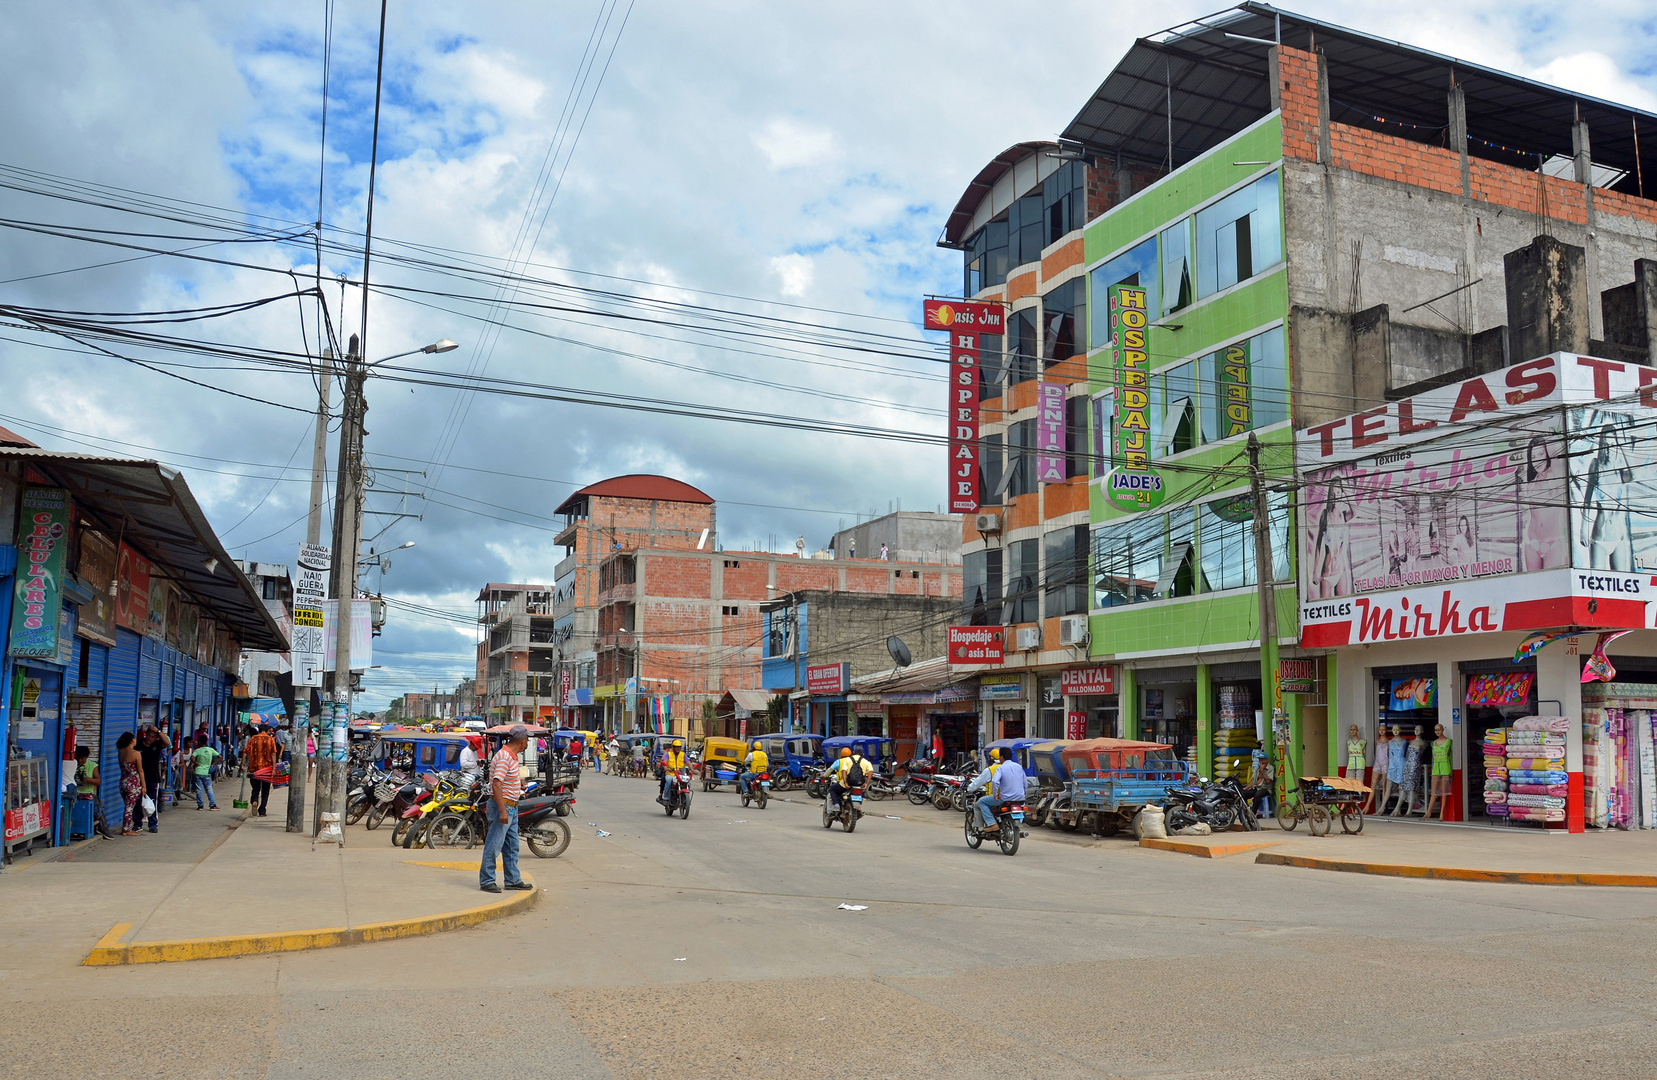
854 775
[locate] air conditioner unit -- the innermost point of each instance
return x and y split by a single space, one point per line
1073 630
987 523
1029 638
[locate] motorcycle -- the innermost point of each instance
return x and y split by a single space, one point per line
1217 805
944 790
847 813
372 796
1009 820
758 790
678 794
816 782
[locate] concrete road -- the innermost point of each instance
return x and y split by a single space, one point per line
716 947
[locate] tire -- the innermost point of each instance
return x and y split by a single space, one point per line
764 797
940 798
918 794
684 807
1286 817
745 802
415 838
828 819
1318 820
973 839
669 808
450 830
1223 819
849 820
782 781
958 799
1008 837
358 808
376 815
548 838
707 787
1179 818
1352 820
400 833
1106 825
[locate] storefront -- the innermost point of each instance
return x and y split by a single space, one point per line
924 700
1168 706
1006 703
1089 703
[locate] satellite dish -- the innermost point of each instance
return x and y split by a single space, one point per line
899 651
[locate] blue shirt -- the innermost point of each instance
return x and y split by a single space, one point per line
1005 778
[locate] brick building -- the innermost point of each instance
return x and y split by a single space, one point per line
517 652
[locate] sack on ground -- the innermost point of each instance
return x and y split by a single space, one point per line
1149 823
1197 828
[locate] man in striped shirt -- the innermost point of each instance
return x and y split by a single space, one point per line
506 787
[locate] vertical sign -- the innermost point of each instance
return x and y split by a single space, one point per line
965 321
1132 484
310 587
1075 725
43 544
1050 433
1234 389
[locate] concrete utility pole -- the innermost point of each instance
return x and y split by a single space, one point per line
313 535
1263 585
348 500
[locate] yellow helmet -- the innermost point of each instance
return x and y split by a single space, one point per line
995 754
845 751
677 743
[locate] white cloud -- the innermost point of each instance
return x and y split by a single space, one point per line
795 273
1597 75
788 144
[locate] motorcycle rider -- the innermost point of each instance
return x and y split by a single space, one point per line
1005 782
671 761
839 773
756 762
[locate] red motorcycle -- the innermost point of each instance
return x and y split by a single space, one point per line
677 795
758 790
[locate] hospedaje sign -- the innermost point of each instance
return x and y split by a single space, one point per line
43 549
1132 485
964 321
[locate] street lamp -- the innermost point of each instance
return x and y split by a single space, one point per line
442 345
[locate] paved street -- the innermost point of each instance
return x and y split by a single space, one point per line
714 947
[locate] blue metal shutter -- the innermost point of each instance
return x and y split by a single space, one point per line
117 670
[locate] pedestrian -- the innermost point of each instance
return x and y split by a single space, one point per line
310 754
506 787
152 752
262 753
132 781
86 788
883 553
201 774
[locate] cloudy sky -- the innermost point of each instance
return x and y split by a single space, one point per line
777 161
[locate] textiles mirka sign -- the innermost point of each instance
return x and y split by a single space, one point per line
43 545
964 321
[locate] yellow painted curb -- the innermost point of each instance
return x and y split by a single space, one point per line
109 951
1205 851
1460 873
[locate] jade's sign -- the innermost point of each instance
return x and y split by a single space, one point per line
42 548
1135 489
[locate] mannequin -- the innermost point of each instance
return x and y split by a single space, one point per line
1411 777
1440 771
1354 754
1382 785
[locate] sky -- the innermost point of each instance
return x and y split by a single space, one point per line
788 160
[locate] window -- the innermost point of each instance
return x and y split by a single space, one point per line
727 610
981 587
1064 198
1175 397
1023 343
732 564
1136 266
270 592
451 754
428 754
1023 603
1066 575
1250 384
1026 231
991 460
1178 288
1020 476
1226 542
992 367
1075 436
1127 560
779 634
1104 413
1239 236
1179 569
1063 314
986 258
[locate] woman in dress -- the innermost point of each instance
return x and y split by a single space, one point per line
132 781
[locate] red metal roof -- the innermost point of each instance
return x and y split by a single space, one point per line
640 486
12 438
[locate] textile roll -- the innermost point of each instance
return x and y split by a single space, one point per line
1556 725
1497 810
1495 797
1546 802
1539 789
1526 777
1496 735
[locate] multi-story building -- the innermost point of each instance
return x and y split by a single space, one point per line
517 652
905 536
684 626
457 704
269 674
1301 224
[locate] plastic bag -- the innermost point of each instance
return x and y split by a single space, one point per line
1149 824
147 804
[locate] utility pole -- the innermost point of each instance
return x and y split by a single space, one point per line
313 535
348 500
1270 698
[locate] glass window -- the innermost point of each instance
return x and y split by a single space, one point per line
1179 568
1075 436
981 592
1020 477
1127 560
1248 385
1023 600
1239 236
992 366
1175 400
992 468
428 754
453 755
1178 284
1104 413
1023 346
1064 197
1136 266
1066 552
1063 313
1227 544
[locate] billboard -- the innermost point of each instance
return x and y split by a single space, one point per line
42 553
1613 470
827 679
1479 503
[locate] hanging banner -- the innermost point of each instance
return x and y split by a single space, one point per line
1050 433
1132 361
132 610
976 645
1075 725
97 570
964 320
43 546
1296 676
1236 397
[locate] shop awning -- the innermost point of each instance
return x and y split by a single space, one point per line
923 683
150 508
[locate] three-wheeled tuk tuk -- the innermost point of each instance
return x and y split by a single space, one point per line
722 761
1111 779
789 755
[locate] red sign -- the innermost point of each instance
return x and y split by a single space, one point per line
964 320
827 679
1075 725
1098 679
976 645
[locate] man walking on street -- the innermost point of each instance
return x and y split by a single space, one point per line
506 787
201 774
262 753
152 754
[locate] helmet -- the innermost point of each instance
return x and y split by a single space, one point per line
995 754
845 751
677 743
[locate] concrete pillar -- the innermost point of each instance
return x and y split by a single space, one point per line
1449 714
1205 722
1337 729
1325 149
1127 700
1458 136
1559 681
1547 299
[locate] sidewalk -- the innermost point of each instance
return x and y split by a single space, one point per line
222 884
1461 853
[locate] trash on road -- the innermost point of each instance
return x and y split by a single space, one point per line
893 817
601 832
853 907
677 959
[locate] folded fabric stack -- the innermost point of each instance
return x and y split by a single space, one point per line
1493 797
1496 809
1495 772
1534 813
1553 725
1534 761
1534 764
1538 789
1530 776
1545 802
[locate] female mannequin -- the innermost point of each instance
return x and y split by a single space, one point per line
1440 773
1354 755
1381 784
1411 777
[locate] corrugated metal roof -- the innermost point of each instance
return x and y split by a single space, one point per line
960 217
9 437
1206 83
640 486
150 508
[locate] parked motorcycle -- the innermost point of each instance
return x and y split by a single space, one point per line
540 826
816 783
1009 821
944 788
758 790
847 813
1217 805
678 793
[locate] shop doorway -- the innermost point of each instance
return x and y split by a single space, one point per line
903 719
1169 710
1406 701
1012 723
959 732
1493 695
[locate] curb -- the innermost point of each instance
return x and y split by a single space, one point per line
1205 851
110 952
1459 873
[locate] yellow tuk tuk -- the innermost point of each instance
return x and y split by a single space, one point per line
722 761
